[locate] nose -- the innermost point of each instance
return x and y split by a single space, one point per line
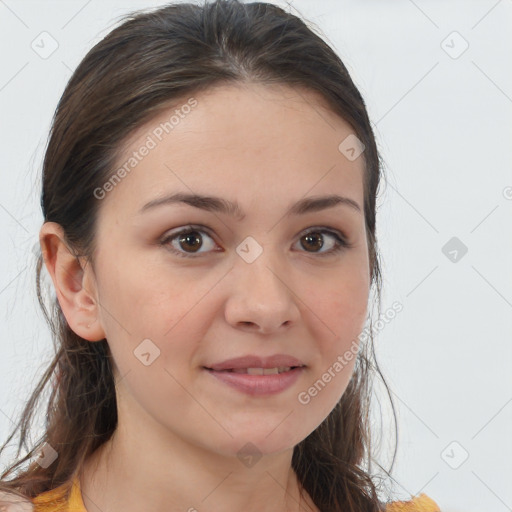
261 299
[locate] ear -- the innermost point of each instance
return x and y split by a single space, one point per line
74 283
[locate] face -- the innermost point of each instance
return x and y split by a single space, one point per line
272 282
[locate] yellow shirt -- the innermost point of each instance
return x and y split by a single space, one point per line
55 500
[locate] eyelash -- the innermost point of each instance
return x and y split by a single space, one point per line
341 242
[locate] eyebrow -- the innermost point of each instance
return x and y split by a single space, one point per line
233 209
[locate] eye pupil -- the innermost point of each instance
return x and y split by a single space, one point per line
191 237
313 236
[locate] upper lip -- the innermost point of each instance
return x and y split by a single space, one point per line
250 361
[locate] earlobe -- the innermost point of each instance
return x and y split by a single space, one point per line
71 280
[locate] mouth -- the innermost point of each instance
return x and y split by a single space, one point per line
258 381
257 371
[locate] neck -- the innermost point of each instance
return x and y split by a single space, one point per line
133 476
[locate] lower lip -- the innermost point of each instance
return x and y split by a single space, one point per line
259 384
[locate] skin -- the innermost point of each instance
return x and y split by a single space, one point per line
179 428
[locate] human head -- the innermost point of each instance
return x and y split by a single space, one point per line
134 75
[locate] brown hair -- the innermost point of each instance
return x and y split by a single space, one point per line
140 68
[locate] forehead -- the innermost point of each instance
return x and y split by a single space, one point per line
239 141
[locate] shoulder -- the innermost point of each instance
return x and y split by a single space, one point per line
54 500
421 503
13 503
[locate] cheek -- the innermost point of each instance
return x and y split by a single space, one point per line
149 298
341 311
158 316
341 308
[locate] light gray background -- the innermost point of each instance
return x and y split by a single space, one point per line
444 127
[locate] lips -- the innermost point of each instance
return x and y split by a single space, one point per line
259 385
260 371
254 365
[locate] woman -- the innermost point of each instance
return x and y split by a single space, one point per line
209 193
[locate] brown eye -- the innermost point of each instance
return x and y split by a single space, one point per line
190 240
313 242
187 242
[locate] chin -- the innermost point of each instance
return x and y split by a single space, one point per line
256 443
